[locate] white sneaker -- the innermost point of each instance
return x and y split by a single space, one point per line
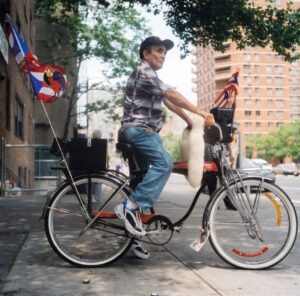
138 249
132 220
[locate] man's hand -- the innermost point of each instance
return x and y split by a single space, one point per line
208 119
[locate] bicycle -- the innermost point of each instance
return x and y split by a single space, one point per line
257 233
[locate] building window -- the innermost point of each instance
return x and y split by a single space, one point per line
279 124
269 92
257 113
268 57
258 125
257 91
257 68
222 59
248 102
270 125
19 110
295 107
248 125
269 69
7 106
248 90
270 114
248 79
247 114
279 103
222 70
257 79
246 68
247 57
278 69
269 80
278 92
279 114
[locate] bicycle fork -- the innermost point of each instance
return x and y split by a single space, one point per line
247 208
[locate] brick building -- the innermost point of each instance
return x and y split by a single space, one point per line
16 96
269 93
23 121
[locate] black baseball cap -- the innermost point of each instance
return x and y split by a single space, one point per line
155 40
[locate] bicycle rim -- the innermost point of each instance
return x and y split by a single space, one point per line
260 233
104 241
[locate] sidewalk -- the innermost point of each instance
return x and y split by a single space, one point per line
28 265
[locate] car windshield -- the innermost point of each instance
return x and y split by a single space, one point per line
260 161
248 163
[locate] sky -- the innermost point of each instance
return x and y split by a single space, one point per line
176 72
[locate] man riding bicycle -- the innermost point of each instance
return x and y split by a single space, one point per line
142 120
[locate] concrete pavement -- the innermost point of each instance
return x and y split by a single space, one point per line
28 265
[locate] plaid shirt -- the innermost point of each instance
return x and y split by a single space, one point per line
143 98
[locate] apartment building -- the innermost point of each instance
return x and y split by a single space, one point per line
16 99
269 93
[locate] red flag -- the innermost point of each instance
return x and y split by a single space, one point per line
233 83
232 86
222 99
48 82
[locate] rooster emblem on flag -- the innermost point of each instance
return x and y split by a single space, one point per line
48 82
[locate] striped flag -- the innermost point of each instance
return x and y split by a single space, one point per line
232 86
48 82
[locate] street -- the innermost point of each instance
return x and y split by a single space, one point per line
30 267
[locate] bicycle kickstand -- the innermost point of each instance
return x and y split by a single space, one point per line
198 243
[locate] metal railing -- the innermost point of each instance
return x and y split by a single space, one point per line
43 169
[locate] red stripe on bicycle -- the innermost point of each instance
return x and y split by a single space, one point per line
112 215
250 255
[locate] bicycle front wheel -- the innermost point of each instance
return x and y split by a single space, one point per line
68 214
262 229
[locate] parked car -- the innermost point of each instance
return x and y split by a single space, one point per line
247 166
286 169
262 163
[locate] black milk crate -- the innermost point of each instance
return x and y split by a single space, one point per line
223 115
88 154
64 145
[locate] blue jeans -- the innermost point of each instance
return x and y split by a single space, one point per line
150 155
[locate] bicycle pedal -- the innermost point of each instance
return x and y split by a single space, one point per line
198 243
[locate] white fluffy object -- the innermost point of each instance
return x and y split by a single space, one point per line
192 151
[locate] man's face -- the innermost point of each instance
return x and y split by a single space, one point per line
156 57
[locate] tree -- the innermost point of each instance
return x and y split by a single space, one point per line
203 22
112 30
279 144
95 29
172 144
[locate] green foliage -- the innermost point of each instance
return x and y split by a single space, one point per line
100 29
108 32
279 144
203 22
171 144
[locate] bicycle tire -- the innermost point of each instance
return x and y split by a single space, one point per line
105 241
264 244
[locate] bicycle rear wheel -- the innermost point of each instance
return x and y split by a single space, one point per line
261 232
105 240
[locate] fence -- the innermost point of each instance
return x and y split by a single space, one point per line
44 174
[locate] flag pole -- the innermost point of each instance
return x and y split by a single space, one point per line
62 154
